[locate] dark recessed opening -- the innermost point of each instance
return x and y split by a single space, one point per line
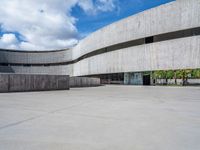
26 65
114 78
4 64
149 40
146 79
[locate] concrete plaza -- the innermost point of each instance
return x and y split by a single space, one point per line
102 118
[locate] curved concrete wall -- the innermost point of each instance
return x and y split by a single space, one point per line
37 57
180 53
177 15
53 70
173 54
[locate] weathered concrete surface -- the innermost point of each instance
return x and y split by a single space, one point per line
51 70
4 83
35 57
84 82
30 82
108 117
174 54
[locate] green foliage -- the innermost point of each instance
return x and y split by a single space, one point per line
163 74
170 74
158 74
181 74
178 74
196 73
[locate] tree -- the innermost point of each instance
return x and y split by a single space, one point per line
184 75
170 74
157 74
196 73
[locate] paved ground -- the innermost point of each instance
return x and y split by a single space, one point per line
102 118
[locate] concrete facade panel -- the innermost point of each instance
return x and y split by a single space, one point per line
172 54
4 79
27 57
51 70
27 82
84 82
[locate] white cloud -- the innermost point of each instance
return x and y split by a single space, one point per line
9 38
106 5
86 5
44 24
9 41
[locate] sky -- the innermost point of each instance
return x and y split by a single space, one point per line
58 24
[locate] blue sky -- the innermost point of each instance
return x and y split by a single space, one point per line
57 24
89 23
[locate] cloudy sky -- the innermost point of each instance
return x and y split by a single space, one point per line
57 24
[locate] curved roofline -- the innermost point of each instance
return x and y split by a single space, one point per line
33 51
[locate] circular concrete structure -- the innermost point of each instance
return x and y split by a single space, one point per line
161 38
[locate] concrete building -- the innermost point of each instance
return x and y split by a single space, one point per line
161 38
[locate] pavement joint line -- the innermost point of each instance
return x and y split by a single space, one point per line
19 122
45 114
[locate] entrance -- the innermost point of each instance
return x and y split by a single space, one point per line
146 80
